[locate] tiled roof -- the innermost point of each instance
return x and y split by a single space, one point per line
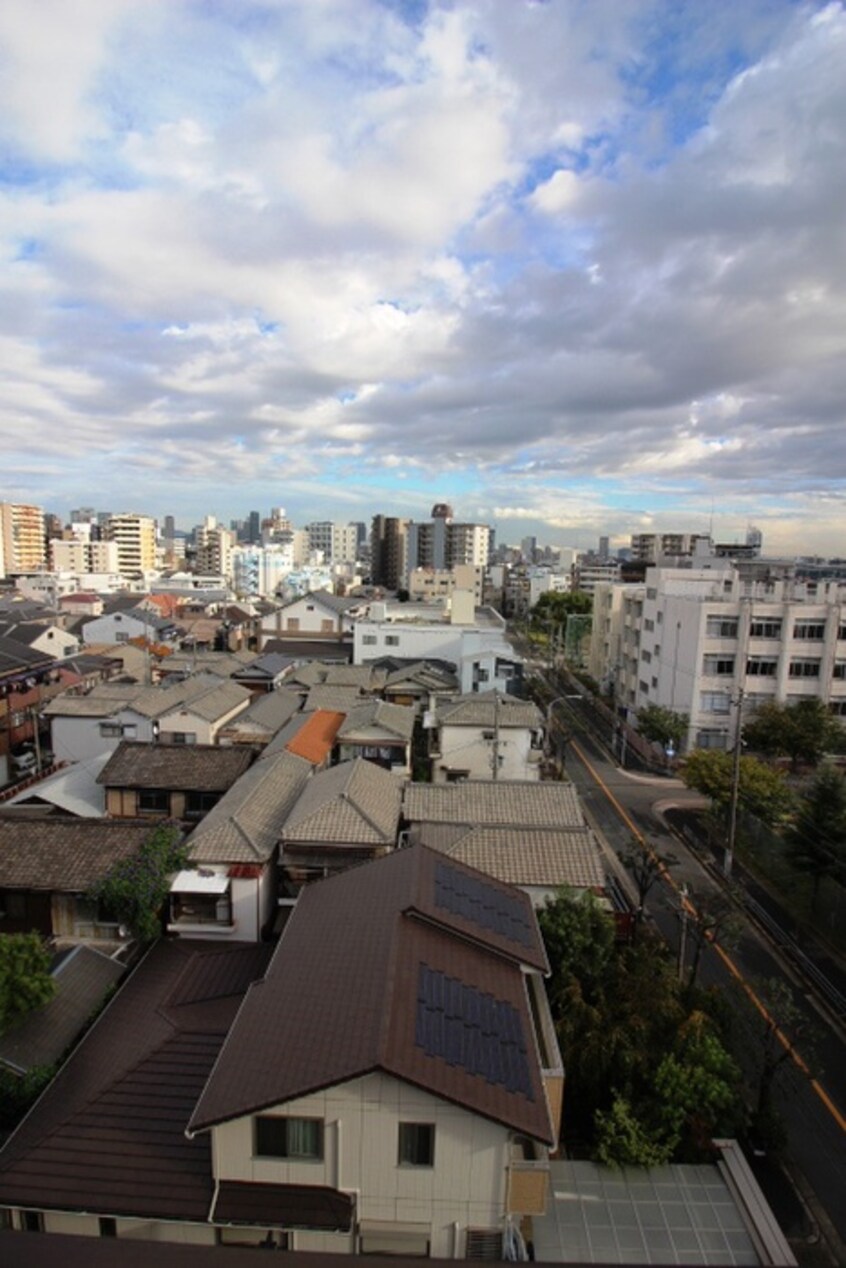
217 702
109 1134
68 855
341 997
425 674
354 803
192 767
545 857
490 708
361 676
102 701
378 716
325 599
537 805
17 657
265 667
267 713
315 738
82 979
340 699
246 824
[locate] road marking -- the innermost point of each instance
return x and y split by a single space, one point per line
735 972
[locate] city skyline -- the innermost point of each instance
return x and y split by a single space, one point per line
577 270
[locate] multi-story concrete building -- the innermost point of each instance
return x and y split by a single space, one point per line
337 542
22 538
83 555
388 551
214 545
706 641
258 571
136 541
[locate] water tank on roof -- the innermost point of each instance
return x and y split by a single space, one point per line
441 511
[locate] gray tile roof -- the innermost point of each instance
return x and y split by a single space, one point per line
267 714
188 767
538 857
102 701
538 805
333 602
246 824
214 703
337 699
489 709
378 716
65 855
354 803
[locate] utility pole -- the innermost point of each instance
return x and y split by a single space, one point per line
495 751
683 935
735 787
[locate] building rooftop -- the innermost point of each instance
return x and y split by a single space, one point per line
188 767
354 803
501 802
528 857
69 855
246 824
371 961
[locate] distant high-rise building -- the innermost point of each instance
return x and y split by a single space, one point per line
604 547
213 545
529 549
23 542
169 530
83 515
136 541
388 551
253 528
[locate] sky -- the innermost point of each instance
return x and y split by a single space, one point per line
576 267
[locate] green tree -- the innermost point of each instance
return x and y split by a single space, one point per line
135 889
662 726
623 1141
804 732
816 840
579 940
761 790
697 1088
25 981
553 608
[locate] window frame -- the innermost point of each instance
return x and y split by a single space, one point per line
416 1145
284 1149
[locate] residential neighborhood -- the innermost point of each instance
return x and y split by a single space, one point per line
354 822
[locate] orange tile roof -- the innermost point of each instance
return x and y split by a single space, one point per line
315 737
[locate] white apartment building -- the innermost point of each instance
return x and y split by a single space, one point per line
214 546
693 640
258 571
471 638
22 538
136 542
338 543
426 585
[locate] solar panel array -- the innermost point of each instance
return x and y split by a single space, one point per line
482 904
469 1028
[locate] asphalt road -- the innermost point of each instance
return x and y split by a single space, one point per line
618 803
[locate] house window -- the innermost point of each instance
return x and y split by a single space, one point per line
12 905
837 707
179 737
762 666
198 804
369 640
293 624
714 702
721 627
108 1227
804 667
110 730
392 640
810 631
839 670
711 739
718 666
153 801
296 1138
765 629
32 1221
416 1144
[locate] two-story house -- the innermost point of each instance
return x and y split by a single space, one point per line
489 736
152 779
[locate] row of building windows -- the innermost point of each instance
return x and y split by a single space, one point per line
301 1140
767 667
807 631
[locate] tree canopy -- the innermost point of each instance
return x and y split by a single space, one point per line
816 840
554 608
662 726
136 888
25 981
804 732
762 791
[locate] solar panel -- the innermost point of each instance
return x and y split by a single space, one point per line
471 1029
481 904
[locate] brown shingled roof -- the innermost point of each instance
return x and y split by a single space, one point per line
108 1135
342 996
